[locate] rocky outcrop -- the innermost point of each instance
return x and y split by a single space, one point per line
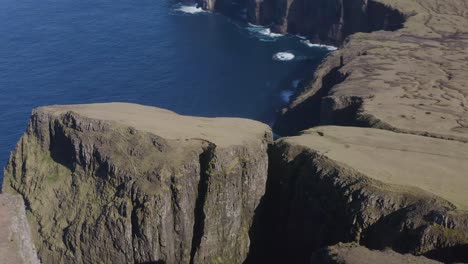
405 81
123 183
16 243
355 254
374 187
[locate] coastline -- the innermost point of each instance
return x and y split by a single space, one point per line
375 156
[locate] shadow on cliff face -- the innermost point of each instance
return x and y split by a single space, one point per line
61 146
298 214
455 254
311 202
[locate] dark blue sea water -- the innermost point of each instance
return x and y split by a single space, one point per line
142 51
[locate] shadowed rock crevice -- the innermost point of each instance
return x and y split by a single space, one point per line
454 254
199 214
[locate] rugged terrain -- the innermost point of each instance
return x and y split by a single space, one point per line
381 161
412 80
405 72
378 188
123 183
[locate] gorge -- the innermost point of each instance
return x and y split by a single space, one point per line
376 156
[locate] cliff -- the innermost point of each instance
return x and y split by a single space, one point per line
374 187
411 80
126 183
123 183
327 21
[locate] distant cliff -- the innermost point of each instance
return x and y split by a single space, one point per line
410 80
322 21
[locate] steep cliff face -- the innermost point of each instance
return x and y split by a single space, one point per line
122 183
321 21
327 21
377 188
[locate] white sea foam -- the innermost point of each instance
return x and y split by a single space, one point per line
190 9
284 56
313 45
286 95
267 32
263 33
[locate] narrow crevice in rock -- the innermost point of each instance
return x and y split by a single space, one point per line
61 148
199 214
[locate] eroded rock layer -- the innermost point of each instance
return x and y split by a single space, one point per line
123 183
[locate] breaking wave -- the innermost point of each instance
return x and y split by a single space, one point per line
263 33
190 9
313 45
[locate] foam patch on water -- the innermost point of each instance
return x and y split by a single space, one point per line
313 45
267 32
190 9
283 56
263 33
286 95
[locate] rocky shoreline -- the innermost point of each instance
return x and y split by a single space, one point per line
376 156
